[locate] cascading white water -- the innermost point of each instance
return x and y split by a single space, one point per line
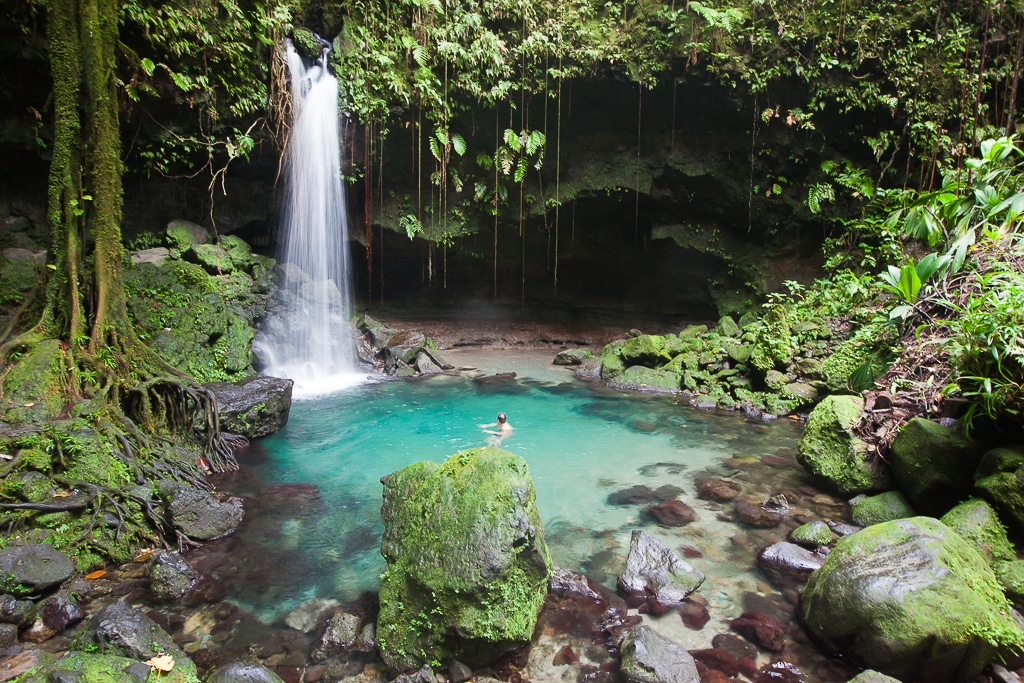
313 343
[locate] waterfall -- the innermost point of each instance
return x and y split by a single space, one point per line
309 338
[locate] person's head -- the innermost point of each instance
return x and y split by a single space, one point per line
501 418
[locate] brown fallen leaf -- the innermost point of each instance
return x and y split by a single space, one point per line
92 576
161 662
143 555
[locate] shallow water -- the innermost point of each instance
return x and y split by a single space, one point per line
315 530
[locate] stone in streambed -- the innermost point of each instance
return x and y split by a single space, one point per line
761 629
199 514
757 516
466 560
656 573
812 534
885 507
649 657
719 490
695 615
672 513
243 672
784 562
910 598
631 496
171 577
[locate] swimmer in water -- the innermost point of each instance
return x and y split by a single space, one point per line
504 428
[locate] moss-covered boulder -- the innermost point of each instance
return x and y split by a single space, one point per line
911 599
1011 577
467 565
866 351
831 451
1000 480
775 344
933 465
646 349
90 667
639 378
612 364
181 235
19 274
27 569
253 407
812 534
978 524
885 507
32 390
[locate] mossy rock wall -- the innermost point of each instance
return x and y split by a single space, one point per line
467 564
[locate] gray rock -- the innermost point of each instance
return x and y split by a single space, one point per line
340 633
243 672
649 657
60 611
21 613
425 364
654 571
253 407
589 368
404 346
171 577
572 356
198 514
26 569
122 630
565 582
872 676
306 616
376 333
8 635
788 561
154 255
912 599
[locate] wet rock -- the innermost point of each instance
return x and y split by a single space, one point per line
631 496
339 635
425 364
124 631
243 672
26 569
424 675
784 562
171 577
719 490
376 333
253 407
306 616
876 597
639 378
717 660
840 529
776 461
667 492
60 611
464 535
82 667
872 676
978 524
780 672
21 613
757 515
649 657
672 513
565 582
8 637
1011 578
694 614
589 368
198 514
934 465
761 629
812 534
830 450
885 507
734 645
572 356
655 573
565 656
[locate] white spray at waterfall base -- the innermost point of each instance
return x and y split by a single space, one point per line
309 338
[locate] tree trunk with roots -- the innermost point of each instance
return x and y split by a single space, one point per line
157 420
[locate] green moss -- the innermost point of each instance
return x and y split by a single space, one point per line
868 347
306 43
829 450
885 507
35 459
33 388
978 524
775 344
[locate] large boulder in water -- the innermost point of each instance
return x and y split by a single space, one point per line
467 565
934 465
912 599
253 407
831 451
199 514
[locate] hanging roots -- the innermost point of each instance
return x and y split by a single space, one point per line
183 411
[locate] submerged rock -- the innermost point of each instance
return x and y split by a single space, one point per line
253 407
653 572
672 513
912 599
831 451
761 629
466 560
26 569
649 657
